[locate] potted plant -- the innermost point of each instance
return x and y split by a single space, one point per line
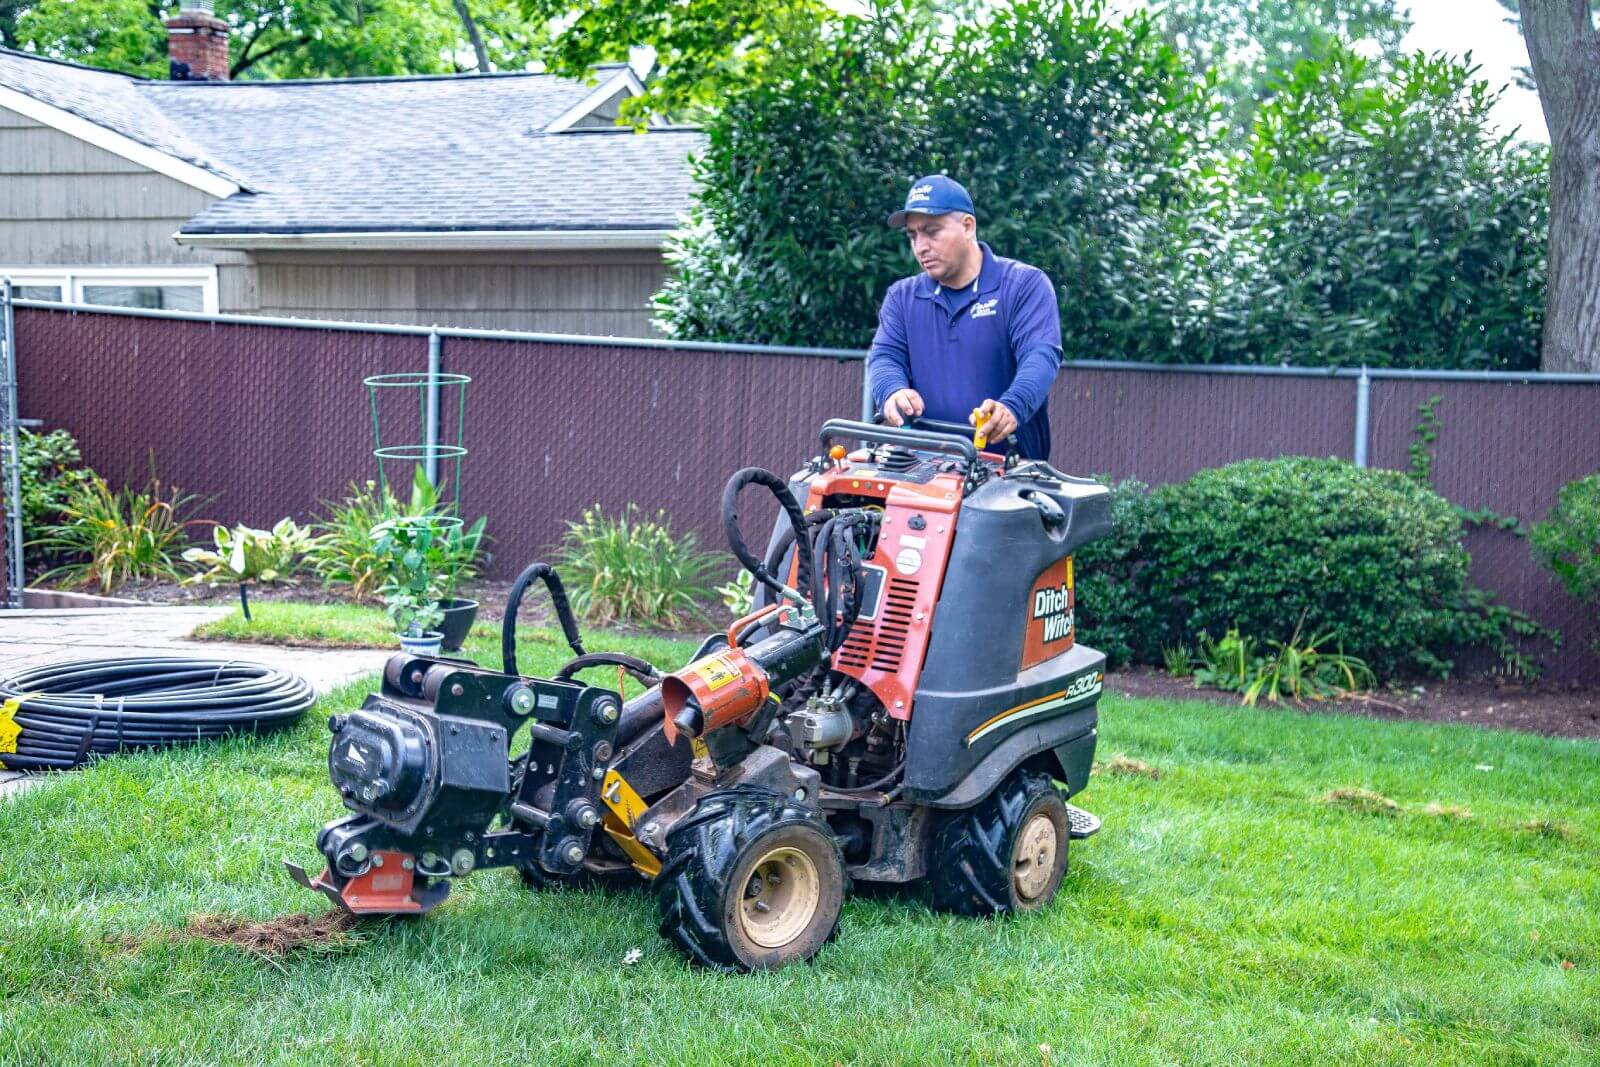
460 553
413 549
457 558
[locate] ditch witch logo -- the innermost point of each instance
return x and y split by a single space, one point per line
1054 607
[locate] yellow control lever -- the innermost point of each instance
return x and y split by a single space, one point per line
979 438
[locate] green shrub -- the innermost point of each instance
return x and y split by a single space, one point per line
344 554
50 473
1068 126
632 569
1112 616
112 537
1372 215
1296 669
1368 559
1568 540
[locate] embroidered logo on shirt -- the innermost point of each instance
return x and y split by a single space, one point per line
919 193
984 308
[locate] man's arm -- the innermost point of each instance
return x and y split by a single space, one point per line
1035 334
889 358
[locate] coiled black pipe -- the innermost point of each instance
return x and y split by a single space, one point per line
71 711
558 596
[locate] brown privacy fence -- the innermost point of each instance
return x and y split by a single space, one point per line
267 419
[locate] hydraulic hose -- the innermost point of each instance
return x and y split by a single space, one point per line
69 712
558 597
642 672
791 510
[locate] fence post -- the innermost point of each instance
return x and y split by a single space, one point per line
431 432
1363 410
866 392
10 453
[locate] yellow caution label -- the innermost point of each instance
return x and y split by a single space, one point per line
718 671
9 730
697 745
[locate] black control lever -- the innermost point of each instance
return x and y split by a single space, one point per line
1050 511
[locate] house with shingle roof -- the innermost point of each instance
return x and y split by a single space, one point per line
509 201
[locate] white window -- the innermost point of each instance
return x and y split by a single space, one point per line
172 288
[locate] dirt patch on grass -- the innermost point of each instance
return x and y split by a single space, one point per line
1550 828
1361 801
1446 811
1126 765
265 637
274 937
1552 710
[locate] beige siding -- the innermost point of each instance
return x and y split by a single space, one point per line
65 202
567 293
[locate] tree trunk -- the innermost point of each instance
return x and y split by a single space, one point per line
1565 49
477 38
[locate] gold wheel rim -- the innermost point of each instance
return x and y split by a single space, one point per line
779 898
1035 857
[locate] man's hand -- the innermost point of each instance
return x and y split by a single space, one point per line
1001 423
906 404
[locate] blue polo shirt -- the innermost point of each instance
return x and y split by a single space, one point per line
998 337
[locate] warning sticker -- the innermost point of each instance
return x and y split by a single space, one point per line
9 730
718 671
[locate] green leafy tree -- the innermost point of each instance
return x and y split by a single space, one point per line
1069 129
121 35
288 38
1391 224
1251 44
702 48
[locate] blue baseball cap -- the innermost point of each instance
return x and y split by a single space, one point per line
936 194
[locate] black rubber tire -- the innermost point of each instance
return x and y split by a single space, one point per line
974 855
711 855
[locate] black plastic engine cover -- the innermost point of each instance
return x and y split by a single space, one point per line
974 701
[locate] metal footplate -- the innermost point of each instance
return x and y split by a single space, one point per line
1081 823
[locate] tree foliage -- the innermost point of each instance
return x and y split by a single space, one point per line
284 38
701 48
1252 45
1067 128
1368 216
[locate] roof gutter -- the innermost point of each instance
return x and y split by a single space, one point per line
434 240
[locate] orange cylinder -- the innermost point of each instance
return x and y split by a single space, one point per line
712 692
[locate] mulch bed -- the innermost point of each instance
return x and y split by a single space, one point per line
1553 710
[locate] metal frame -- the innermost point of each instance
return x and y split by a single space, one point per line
10 455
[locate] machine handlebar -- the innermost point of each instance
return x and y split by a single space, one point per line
922 440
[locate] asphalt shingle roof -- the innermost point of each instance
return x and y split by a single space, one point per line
422 153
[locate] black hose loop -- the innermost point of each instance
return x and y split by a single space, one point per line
66 718
643 673
791 509
558 597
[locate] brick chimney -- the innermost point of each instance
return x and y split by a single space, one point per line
197 44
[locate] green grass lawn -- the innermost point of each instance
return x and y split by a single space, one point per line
285 622
1229 912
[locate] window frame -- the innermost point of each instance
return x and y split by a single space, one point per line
72 280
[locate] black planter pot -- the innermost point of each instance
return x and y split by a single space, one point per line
458 617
